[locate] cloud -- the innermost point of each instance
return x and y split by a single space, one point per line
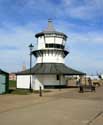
84 62
89 37
14 50
28 10
84 10
86 51
79 33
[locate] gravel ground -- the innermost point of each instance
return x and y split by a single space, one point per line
59 107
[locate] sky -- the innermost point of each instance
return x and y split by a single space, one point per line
80 20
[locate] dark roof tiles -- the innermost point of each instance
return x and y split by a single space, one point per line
51 68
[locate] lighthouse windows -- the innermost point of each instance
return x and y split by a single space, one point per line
54 46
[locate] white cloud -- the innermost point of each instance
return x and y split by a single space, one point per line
85 10
84 63
14 49
80 33
90 37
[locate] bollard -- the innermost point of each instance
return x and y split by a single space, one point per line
40 92
81 89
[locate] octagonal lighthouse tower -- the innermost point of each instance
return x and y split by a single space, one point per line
49 70
50 45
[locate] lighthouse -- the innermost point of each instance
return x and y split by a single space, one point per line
49 70
51 45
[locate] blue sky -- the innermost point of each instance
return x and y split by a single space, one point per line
81 20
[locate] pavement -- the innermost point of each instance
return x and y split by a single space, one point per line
58 107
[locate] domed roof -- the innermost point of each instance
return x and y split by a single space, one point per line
50 30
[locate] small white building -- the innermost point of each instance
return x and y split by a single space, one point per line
50 69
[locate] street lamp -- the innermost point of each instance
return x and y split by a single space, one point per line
31 48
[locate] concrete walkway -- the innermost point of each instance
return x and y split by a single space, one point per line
65 107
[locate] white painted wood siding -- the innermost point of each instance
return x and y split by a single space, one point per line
37 81
50 58
43 40
23 81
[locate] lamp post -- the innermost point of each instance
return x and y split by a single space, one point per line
31 48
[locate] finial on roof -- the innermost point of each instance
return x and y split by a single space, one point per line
49 20
50 27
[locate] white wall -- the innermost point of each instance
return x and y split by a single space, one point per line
37 82
55 40
50 58
41 43
50 80
43 40
23 81
49 40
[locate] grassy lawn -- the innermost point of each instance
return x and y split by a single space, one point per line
13 90
19 91
25 91
12 84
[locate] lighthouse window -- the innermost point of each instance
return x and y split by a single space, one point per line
54 46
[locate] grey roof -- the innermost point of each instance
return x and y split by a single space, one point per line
3 72
51 68
50 30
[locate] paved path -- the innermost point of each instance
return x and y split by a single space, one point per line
65 107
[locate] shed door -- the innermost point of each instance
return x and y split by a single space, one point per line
2 84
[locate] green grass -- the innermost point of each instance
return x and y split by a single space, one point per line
44 91
25 91
12 83
19 91
13 90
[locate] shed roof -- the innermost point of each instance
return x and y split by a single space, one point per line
51 68
3 72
